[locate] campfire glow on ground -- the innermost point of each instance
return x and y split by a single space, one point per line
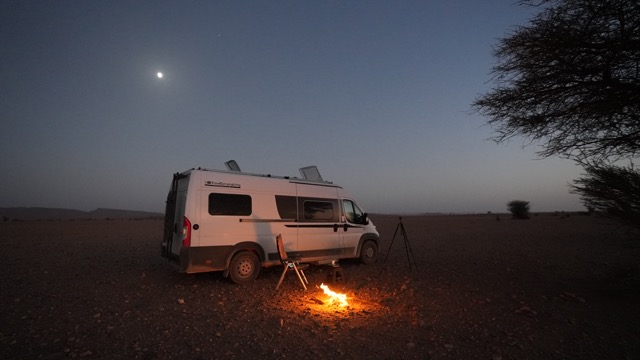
328 307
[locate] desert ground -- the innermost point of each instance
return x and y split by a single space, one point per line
556 286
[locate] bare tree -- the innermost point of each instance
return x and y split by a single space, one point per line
570 80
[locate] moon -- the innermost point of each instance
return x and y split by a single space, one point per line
160 75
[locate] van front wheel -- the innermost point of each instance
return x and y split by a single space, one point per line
244 267
369 252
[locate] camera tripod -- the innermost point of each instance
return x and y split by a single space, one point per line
407 247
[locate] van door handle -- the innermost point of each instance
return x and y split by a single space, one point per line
335 227
345 227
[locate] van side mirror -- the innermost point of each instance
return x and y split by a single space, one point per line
365 219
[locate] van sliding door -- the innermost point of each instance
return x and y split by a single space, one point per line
318 223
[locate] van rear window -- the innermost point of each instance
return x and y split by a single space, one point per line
229 204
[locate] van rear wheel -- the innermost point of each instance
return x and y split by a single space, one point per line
244 267
369 252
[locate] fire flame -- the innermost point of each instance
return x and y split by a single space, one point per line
334 296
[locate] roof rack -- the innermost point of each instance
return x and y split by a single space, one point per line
308 173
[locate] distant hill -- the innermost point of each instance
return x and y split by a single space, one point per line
41 213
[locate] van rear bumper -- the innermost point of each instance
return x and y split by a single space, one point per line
204 258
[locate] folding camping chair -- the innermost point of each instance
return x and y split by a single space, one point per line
290 264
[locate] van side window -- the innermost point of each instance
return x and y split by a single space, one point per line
352 212
287 207
229 204
318 210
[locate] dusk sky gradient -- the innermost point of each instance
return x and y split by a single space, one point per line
376 94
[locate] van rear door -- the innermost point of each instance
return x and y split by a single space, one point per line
175 231
169 218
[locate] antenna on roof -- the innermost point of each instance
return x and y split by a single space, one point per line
232 165
311 173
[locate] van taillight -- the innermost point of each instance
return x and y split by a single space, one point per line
186 233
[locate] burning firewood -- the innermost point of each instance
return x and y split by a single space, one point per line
317 301
341 299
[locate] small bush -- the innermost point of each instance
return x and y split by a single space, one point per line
611 190
519 209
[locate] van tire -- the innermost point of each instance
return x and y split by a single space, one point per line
369 252
244 267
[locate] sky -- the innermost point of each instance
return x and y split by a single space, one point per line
376 94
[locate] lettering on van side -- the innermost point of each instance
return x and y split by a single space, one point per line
221 184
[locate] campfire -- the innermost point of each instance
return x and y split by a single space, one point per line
334 297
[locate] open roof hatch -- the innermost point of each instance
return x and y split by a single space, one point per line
311 173
232 165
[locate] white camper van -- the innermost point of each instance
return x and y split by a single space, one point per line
218 220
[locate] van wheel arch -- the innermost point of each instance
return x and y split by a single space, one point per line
368 249
244 262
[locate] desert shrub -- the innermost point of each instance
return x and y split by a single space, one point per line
519 209
611 190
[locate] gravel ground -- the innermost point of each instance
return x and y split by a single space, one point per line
552 287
